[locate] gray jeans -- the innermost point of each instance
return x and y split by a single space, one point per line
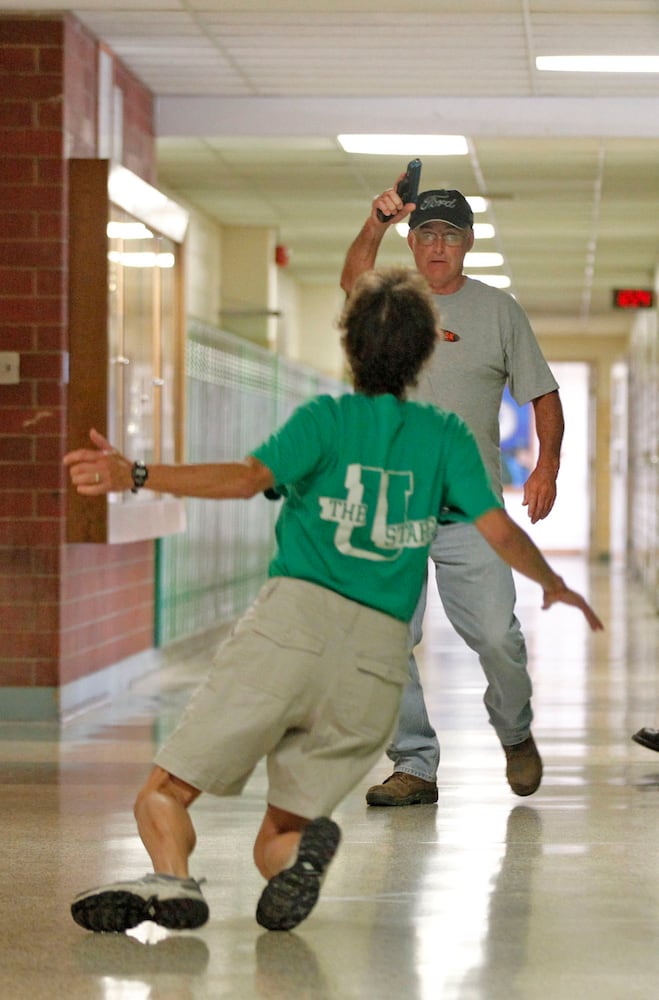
478 594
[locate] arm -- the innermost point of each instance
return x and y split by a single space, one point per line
217 480
516 548
363 251
540 487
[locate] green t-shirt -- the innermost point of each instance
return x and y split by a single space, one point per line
364 480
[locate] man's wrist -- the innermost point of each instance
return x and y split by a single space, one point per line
139 474
549 465
374 230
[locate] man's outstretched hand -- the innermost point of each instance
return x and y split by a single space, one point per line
98 470
563 595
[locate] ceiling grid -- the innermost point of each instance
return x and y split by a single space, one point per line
251 95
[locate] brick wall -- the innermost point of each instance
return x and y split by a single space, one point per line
65 611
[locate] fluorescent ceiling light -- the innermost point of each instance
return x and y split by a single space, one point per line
405 145
128 231
483 260
482 230
477 204
496 280
165 260
144 202
598 64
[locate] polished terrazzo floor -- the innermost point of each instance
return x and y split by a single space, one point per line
484 897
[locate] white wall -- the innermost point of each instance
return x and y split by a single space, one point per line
619 459
567 528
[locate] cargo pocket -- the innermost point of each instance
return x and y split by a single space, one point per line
273 656
369 697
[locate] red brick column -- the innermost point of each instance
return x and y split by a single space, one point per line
65 611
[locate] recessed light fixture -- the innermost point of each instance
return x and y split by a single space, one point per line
164 260
477 204
405 145
128 231
142 201
483 230
598 64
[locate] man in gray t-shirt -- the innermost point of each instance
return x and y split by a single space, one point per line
486 343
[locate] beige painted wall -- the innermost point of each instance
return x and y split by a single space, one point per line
249 284
203 269
232 281
288 327
318 338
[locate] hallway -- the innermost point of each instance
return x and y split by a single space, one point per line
483 897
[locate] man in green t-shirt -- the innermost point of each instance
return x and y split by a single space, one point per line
312 674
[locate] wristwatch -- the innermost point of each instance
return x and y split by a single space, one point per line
140 474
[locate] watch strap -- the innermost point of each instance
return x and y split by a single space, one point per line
140 474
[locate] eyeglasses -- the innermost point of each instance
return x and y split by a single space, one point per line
451 237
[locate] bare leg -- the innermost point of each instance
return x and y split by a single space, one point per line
161 811
277 841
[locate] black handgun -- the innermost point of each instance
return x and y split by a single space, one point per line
407 187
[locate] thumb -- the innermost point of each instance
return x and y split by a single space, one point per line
99 441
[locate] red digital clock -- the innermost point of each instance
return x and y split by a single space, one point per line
633 298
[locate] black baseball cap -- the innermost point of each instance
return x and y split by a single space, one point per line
442 206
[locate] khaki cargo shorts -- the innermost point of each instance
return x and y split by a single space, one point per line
307 679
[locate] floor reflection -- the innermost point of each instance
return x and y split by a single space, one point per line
505 945
129 965
286 967
482 897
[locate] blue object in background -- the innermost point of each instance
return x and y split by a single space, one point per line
515 427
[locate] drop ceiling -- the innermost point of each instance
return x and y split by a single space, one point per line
251 95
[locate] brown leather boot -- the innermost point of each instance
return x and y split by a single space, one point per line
523 766
401 789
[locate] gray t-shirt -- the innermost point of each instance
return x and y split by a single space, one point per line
488 341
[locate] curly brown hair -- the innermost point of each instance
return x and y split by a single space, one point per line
389 326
